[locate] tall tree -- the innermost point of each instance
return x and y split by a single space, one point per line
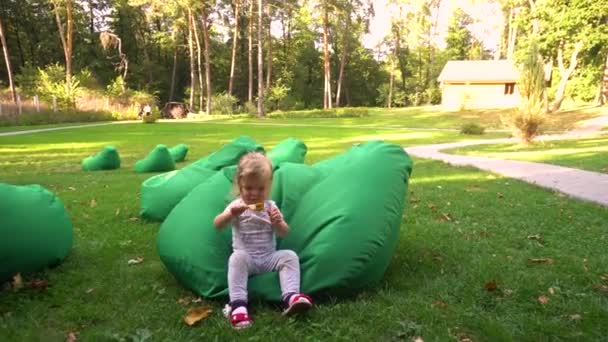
192 58
7 60
198 60
234 45
250 52
459 38
66 37
326 67
260 60
204 20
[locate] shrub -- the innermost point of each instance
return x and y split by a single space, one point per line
250 107
526 121
472 129
223 104
345 112
152 117
50 117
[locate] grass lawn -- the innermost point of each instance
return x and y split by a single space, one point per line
587 154
434 117
435 286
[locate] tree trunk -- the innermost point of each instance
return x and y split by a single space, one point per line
260 61
533 14
192 63
327 71
207 62
603 98
564 74
269 53
91 18
512 39
390 84
343 56
250 91
7 60
234 41
174 71
66 38
198 61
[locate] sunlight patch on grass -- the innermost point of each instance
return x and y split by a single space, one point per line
52 147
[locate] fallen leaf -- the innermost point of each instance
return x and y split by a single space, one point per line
440 304
17 282
601 287
535 237
197 300
71 337
491 286
93 203
414 200
500 195
507 292
417 339
446 217
484 233
541 260
117 212
72 188
543 299
551 291
134 219
575 317
38 284
474 188
184 300
135 261
89 291
194 315
464 338
604 277
432 207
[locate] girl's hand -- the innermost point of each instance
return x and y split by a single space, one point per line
237 210
275 216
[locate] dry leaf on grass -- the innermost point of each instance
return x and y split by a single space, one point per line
93 203
446 217
17 282
134 219
71 337
491 286
432 207
500 195
575 317
440 304
417 339
414 200
194 315
543 299
89 291
601 287
38 284
135 261
72 188
117 212
541 260
551 291
507 292
604 277
184 300
535 237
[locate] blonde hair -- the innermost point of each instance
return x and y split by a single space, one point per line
252 164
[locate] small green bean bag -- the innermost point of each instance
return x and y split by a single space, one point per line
35 230
178 152
158 160
161 193
344 214
107 159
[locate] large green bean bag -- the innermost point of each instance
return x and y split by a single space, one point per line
158 160
35 230
160 193
107 159
179 152
344 214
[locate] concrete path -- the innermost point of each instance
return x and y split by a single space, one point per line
585 185
41 130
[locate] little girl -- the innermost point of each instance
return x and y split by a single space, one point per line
254 221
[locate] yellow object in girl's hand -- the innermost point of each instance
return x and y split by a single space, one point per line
256 206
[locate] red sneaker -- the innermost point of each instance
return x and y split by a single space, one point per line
240 320
298 303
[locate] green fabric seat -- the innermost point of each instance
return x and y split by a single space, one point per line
35 230
158 160
344 214
179 152
107 159
160 193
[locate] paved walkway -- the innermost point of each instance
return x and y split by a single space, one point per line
41 130
585 185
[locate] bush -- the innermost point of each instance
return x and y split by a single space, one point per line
223 104
250 107
472 129
346 112
152 117
50 117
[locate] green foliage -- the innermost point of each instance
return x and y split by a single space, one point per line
117 88
459 38
343 112
223 104
472 128
50 117
276 95
49 82
250 107
152 117
526 121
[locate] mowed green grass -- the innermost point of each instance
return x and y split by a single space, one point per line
587 154
461 230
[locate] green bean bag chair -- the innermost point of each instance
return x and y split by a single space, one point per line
178 152
344 214
158 160
107 159
35 230
161 193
